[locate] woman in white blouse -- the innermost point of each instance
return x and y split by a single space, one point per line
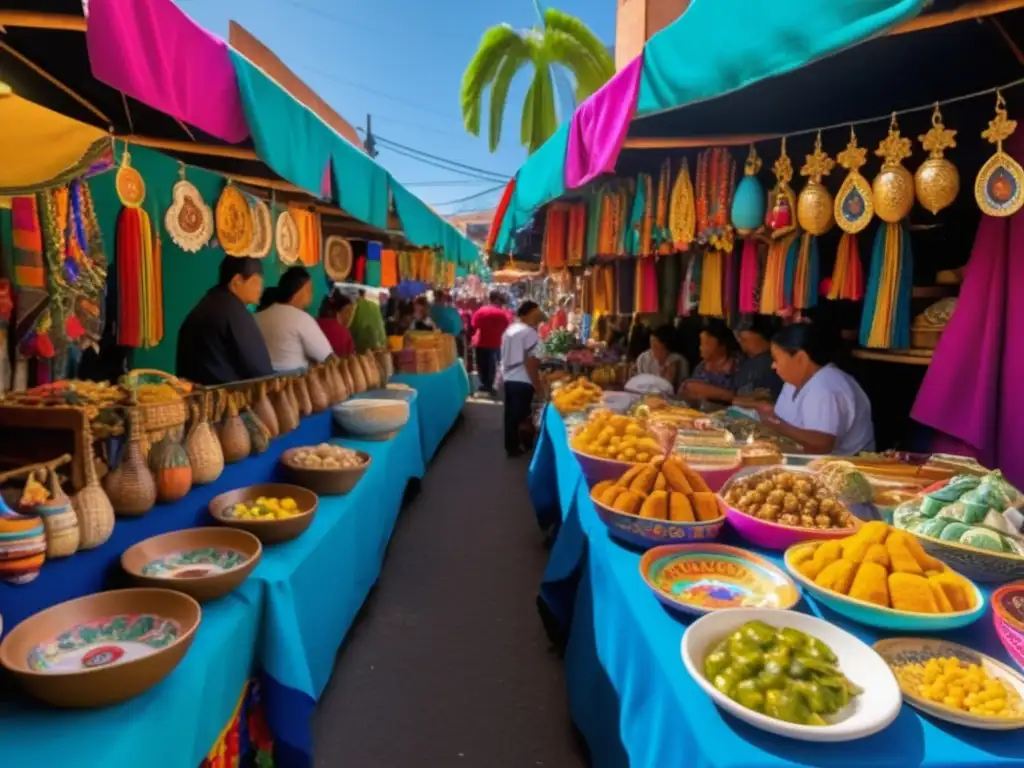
293 337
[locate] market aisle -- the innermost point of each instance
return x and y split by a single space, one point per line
449 665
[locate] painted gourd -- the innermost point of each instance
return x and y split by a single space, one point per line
168 461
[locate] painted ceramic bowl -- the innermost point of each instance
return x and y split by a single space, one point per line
698 578
205 563
879 616
1008 617
982 565
775 536
103 648
371 419
596 469
268 530
324 481
646 533
902 651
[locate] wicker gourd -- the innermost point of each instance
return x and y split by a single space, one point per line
203 449
339 390
317 393
293 396
264 409
131 487
235 442
287 416
386 365
57 514
344 390
372 371
301 390
259 436
355 372
92 506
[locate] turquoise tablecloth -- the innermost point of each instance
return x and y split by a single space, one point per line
442 396
634 701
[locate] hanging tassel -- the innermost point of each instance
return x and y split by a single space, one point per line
774 296
730 286
847 274
129 278
885 323
805 279
711 285
749 277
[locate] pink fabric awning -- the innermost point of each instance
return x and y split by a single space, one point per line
156 54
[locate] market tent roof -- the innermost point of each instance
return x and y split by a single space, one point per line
710 79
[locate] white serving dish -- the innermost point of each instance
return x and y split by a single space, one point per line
619 402
371 418
866 714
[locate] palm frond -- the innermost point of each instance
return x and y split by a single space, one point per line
497 43
499 94
545 121
572 26
526 121
561 48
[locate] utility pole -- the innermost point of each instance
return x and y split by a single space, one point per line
369 143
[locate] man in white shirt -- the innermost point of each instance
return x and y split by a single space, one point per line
520 370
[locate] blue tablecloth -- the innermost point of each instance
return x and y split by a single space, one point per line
634 701
442 396
287 620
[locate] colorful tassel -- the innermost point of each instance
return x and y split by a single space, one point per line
749 278
885 323
711 285
847 274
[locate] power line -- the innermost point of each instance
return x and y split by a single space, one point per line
418 126
394 144
382 94
442 165
332 17
469 197
447 183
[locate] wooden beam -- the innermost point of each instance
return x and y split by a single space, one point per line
192 147
38 20
54 81
979 9
256 181
693 142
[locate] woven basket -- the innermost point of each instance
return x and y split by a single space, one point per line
315 387
204 452
235 442
58 516
92 506
131 487
156 419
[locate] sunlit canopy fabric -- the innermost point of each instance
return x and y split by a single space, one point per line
37 144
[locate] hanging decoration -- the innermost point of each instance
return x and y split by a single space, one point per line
638 238
814 215
682 216
262 229
307 223
997 187
715 178
553 245
189 220
661 235
776 290
937 181
893 187
139 279
847 280
234 221
854 204
748 203
750 268
781 216
577 234
337 258
286 238
131 189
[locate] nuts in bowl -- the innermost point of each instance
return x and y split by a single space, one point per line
327 456
325 469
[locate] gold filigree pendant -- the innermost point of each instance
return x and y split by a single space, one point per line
937 181
815 203
997 187
893 187
854 204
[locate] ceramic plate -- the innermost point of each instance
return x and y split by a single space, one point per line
194 563
104 642
866 714
916 650
698 578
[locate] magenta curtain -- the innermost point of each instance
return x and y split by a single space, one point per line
599 127
971 391
150 50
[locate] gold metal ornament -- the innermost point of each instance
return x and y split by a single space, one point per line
781 210
997 187
893 187
814 205
854 205
937 181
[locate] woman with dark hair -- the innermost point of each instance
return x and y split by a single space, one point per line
334 316
660 360
219 342
293 337
820 407
715 374
421 320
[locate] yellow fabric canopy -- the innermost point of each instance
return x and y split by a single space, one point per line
37 144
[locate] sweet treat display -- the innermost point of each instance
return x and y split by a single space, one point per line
788 497
661 490
575 396
782 673
615 436
760 453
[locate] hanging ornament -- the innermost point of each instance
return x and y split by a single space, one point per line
682 218
131 189
337 258
937 181
854 205
262 229
749 201
781 218
286 238
234 221
189 220
998 185
893 187
814 206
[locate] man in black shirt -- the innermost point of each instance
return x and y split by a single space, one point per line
219 342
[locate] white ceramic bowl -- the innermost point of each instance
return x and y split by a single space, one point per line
866 714
619 402
370 418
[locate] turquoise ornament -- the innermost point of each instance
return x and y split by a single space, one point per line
748 202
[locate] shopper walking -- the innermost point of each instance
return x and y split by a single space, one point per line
520 370
489 323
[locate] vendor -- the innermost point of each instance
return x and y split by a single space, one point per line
756 379
820 407
715 375
335 315
293 337
219 341
661 361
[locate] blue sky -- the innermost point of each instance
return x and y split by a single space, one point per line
401 61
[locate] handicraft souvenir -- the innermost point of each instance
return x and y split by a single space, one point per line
286 238
337 258
814 214
998 185
189 220
937 181
893 187
660 232
854 205
263 229
682 217
131 189
748 203
139 277
234 222
780 218
715 178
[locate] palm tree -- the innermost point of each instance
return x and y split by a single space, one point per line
564 41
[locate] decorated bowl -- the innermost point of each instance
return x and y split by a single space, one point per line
903 651
269 530
393 391
204 563
103 648
870 712
699 578
776 536
324 481
975 563
879 616
371 418
596 469
1008 617
644 532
